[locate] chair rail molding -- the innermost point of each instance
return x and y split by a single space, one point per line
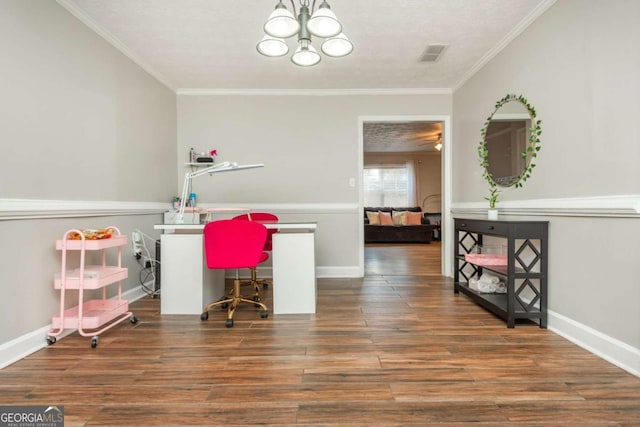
11 209
599 206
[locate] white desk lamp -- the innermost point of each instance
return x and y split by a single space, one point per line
220 167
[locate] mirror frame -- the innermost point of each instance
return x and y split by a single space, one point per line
530 153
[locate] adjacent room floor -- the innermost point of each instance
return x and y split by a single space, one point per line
394 349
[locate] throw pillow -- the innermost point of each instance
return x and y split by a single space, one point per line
399 217
385 218
414 218
374 218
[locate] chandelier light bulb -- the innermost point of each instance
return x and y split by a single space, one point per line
337 46
281 23
323 22
306 55
271 46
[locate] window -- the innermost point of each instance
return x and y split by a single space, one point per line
386 185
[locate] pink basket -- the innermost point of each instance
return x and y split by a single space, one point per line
486 259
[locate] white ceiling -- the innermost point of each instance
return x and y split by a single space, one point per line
210 44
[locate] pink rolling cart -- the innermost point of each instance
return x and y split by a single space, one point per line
94 316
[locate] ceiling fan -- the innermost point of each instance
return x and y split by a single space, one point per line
437 140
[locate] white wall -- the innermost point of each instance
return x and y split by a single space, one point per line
310 148
78 120
88 140
579 66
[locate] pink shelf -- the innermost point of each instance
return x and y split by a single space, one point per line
95 277
95 313
92 245
486 259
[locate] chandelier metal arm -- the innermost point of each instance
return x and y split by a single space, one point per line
303 18
303 3
293 6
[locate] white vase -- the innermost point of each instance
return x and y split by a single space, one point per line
492 214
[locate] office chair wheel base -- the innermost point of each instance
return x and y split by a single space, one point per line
94 342
229 323
264 314
265 286
133 320
204 316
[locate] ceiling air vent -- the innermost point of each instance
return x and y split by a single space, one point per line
433 52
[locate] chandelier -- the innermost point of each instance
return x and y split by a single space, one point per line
320 22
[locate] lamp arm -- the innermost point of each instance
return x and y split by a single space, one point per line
183 198
221 167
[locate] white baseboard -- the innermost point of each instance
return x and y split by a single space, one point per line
335 272
610 349
326 272
21 347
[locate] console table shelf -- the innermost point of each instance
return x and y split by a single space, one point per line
525 274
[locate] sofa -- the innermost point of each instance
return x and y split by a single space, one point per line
399 231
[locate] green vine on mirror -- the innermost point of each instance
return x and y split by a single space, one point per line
528 155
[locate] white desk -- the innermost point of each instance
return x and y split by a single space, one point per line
187 285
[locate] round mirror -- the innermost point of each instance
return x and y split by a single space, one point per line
510 142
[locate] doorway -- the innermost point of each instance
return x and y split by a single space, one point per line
423 142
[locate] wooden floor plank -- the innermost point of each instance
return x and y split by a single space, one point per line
393 349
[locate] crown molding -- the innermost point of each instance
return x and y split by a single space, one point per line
113 41
506 40
312 92
627 206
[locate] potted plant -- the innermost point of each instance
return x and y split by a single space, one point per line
492 213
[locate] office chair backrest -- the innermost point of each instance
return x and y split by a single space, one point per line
261 216
233 244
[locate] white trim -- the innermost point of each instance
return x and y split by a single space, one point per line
446 168
610 349
21 347
338 272
113 41
319 208
602 206
325 272
31 208
313 92
506 40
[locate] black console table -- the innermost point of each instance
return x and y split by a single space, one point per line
525 272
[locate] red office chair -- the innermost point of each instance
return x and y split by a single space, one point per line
260 217
233 244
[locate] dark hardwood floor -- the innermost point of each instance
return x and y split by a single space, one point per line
395 349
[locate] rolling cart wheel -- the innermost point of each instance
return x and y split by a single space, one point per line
229 323
264 314
51 340
94 342
133 319
204 316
